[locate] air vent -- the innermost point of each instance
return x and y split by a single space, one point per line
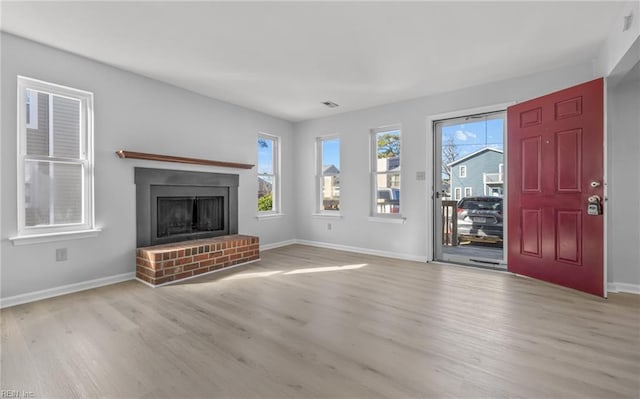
628 20
330 104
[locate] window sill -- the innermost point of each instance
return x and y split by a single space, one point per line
394 220
269 216
51 237
327 215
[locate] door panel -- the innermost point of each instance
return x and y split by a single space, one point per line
555 153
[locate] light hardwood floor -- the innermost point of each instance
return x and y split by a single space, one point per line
310 322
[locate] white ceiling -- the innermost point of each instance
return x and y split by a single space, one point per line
284 59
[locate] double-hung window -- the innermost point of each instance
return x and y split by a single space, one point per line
385 168
55 159
268 174
328 174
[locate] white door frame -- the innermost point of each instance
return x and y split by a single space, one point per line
431 143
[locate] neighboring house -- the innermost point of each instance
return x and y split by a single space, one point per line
479 173
330 187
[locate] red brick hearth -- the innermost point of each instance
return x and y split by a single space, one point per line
161 264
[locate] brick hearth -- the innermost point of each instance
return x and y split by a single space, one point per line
161 264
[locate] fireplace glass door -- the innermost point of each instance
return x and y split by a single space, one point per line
186 212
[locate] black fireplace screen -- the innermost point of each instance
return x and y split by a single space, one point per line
188 215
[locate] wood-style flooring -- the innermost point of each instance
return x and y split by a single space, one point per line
306 322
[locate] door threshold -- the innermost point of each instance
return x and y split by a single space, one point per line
481 264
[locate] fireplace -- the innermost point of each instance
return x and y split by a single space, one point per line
189 215
173 206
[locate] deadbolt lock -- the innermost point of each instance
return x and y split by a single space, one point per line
594 207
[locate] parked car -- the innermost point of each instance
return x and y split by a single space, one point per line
480 220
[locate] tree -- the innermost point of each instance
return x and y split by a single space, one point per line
450 153
388 145
265 203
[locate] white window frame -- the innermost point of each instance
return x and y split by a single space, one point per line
319 177
457 193
32 98
374 214
468 190
462 171
33 234
275 190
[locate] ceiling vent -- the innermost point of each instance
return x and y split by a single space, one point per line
628 20
330 104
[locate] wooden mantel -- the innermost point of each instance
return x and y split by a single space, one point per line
170 158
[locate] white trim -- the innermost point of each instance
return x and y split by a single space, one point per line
462 171
470 191
274 245
605 188
196 275
64 290
51 237
270 216
327 215
366 251
457 190
390 219
623 287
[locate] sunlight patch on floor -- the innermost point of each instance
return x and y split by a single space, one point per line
327 269
253 275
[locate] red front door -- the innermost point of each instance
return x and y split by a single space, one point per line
555 164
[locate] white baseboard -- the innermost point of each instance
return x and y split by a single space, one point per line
366 251
623 287
64 289
267 247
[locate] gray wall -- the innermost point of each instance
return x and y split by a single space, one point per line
136 113
413 239
623 204
133 113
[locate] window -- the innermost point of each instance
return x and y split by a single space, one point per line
55 159
328 174
462 171
468 191
268 173
458 193
32 109
386 171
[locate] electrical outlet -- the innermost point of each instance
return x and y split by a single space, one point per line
61 254
329 226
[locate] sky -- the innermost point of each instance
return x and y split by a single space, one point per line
470 137
265 156
331 153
